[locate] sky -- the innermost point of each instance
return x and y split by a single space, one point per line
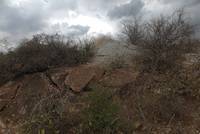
23 18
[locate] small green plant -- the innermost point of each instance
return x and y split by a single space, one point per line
101 115
40 124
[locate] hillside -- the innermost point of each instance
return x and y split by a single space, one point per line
145 105
148 102
147 82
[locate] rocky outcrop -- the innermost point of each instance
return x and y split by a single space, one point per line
19 98
75 78
78 78
119 78
108 50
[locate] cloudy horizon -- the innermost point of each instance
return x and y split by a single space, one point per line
23 18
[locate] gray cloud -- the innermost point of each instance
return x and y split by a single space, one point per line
2 3
100 5
126 10
16 22
30 17
77 30
191 8
33 16
62 4
183 3
70 30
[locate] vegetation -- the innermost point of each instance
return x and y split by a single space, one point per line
50 116
164 94
162 43
101 116
43 52
117 62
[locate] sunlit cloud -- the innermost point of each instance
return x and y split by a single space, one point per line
23 18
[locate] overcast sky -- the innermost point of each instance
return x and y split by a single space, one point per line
22 18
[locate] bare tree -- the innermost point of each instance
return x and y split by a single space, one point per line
161 42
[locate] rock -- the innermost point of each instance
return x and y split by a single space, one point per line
8 92
2 125
22 111
138 125
58 76
76 78
119 78
18 98
79 77
17 66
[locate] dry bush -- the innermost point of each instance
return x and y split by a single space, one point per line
117 62
166 109
51 115
43 52
162 42
160 98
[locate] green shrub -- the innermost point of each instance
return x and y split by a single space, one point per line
101 116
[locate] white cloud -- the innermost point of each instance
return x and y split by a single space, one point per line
26 17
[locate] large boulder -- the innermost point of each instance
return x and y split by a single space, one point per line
79 77
58 76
